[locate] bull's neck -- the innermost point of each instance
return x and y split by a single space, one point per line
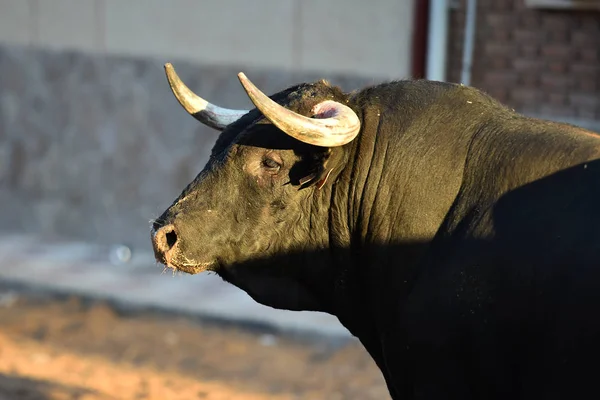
400 184
391 198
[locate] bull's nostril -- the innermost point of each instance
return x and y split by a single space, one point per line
165 239
171 239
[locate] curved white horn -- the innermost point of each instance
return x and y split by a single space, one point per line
205 112
335 124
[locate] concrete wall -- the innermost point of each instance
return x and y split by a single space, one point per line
93 146
371 38
92 143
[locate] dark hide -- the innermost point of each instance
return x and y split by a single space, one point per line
457 239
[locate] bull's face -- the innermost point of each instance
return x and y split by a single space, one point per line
244 203
255 198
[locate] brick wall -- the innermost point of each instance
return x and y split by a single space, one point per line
541 62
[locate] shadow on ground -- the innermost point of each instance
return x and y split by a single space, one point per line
14 387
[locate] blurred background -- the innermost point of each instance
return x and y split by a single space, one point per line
93 145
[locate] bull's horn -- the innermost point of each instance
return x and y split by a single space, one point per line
335 123
205 112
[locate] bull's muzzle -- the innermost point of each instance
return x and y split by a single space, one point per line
164 241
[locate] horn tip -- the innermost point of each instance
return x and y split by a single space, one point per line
242 76
168 66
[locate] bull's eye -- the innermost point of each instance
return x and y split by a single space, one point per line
271 164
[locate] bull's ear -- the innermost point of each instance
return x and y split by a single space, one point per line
319 171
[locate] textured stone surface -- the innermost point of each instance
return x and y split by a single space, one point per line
94 147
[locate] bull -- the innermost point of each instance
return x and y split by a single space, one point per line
457 239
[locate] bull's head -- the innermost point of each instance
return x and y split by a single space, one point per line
261 193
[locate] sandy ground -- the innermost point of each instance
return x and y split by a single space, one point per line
69 348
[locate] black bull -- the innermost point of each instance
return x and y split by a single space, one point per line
457 239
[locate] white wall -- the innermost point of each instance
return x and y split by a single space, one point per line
371 38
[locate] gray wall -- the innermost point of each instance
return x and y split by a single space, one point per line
92 143
92 147
345 36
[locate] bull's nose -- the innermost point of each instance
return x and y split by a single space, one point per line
165 239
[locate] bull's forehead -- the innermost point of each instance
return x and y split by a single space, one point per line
299 98
303 98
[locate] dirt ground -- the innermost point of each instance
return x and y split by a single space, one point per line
70 348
